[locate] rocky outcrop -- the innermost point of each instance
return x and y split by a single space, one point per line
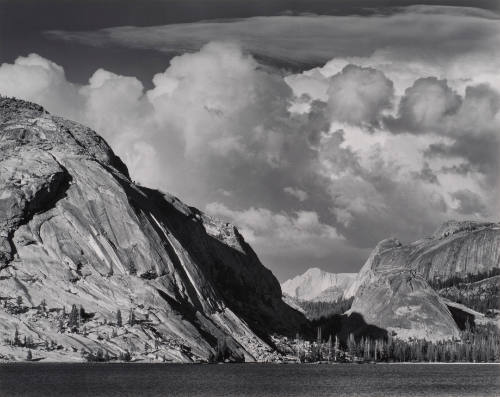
399 300
317 285
457 249
74 230
392 289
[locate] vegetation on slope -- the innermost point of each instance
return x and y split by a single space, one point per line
318 310
478 344
480 292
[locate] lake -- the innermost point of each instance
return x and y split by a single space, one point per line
259 380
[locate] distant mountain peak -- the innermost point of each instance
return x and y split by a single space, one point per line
316 284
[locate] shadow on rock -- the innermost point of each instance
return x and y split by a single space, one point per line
343 325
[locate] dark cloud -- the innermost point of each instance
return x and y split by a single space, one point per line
469 203
427 174
418 32
474 132
481 154
463 168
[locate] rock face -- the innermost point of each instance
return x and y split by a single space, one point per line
457 249
397 299
392 289
74 230
318 285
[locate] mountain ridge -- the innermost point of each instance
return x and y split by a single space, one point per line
406 288
393 288
75 230
81 245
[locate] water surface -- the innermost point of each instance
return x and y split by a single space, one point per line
255 380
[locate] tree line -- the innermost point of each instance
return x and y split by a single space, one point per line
483 301
317 310
453 281
480 345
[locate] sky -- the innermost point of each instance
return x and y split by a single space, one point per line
317 127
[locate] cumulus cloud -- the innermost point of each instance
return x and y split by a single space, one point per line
358 95
469 203
470 124
299 236
299 194
34 77
426 104
281 229
315 167
218 97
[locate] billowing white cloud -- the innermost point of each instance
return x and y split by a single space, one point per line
358 95
218 99
314 167
426 104
300 233
39 80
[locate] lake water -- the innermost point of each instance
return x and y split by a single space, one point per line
259 380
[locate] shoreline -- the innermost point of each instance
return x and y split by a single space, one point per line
247 363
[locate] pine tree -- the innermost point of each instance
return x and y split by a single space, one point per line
131 317
119 321
351 345
29 356
81 315
330 347
336 349
297 346
99 355
17 341
73 318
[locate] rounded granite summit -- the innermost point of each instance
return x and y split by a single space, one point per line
75 231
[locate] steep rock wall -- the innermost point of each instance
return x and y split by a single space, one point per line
74 229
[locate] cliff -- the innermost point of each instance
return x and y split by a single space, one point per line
399 300
75 230
393 289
